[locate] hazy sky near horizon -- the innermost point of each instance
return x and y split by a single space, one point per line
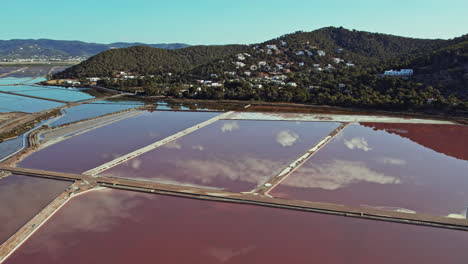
224 21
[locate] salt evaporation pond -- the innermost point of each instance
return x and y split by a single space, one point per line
232 155
10 147
31 72
113 226
418 168
99 108
58 94
13 80
21 198
14 103
89 150
7 69
35 80
21 88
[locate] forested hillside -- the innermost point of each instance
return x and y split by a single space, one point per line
143 60
47 48
333 66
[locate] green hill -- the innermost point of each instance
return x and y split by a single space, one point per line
333 66
142 60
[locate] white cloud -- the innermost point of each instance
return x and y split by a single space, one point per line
173 145
230 126
135 164
357 143
391 161
337 174
224 255
97 211
153 135
286 138
206 171
198 147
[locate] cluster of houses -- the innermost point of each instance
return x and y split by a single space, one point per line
273 71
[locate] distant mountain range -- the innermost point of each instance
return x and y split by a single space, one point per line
47 48
334 66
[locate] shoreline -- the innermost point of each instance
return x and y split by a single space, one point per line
461 118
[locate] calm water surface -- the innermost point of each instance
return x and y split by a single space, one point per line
111 226
89 150
58 94
14 103
233 155
13 80
21 198
409 168
86 111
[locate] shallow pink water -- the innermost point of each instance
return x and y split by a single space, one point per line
228 154
21 198
111 226
383 168
89 150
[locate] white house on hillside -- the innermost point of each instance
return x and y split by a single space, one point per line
402 72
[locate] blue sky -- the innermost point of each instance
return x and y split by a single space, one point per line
224 21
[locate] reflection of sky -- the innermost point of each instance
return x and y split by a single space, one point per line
236 155
86 111
112 226
22 197
338 174
12 103
357 143
229 126
404 174
286 138
10 146
102 144
58 94
12 80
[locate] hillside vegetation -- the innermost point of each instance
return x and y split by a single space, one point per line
47 48
333 66
146 60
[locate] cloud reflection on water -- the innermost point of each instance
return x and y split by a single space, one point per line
338 174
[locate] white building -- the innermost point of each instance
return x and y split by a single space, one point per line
402 72
292 84
272 47
321 53
240 57
240 64
350 64
94 79
300 53
337 60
